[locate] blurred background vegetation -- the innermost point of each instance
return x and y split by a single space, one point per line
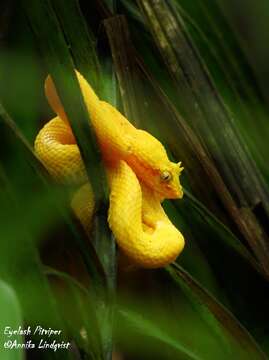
193 73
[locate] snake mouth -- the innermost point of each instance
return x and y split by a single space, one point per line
177 192
171 193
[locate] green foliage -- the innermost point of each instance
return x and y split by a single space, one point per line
12 316
188 83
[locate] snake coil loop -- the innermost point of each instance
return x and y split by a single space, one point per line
139 172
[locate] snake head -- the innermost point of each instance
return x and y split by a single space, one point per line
162 179
167 181
152 166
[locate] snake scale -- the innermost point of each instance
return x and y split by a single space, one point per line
139 172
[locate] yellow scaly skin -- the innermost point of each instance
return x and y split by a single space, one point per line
139 172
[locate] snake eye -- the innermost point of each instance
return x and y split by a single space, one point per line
166 176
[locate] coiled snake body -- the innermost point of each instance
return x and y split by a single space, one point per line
139 172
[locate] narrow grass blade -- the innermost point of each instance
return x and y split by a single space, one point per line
21 142
60 65
216 315
148 328
20 264
48 207
61 68
217 43
77 301
204 108
145 103
125 66
80 40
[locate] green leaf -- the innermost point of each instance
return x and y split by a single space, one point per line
83 50
19 252
11 316
125 66
21 229
223 323
218 44
76 301
60 65
171 306
149 329
223 235
202 105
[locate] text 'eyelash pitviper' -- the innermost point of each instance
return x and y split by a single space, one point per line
140 176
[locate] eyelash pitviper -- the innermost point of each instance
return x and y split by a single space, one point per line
139 172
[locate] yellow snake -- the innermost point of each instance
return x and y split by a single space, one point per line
140 177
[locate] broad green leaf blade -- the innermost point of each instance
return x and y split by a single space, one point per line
10 319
